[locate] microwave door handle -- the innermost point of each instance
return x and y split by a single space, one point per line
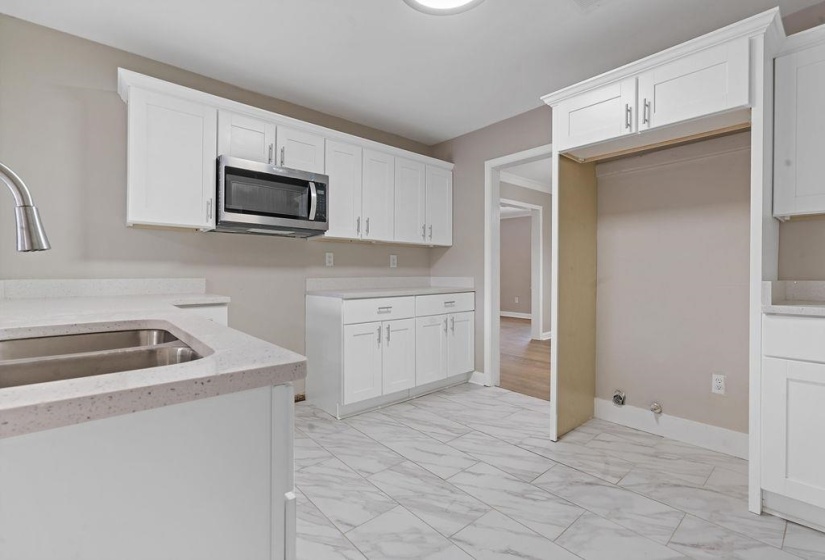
313 200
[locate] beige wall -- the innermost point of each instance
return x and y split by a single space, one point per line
673 237
805 19
469 152
63 129
516 271
545 200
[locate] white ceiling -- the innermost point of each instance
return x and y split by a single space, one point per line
385 65
540 172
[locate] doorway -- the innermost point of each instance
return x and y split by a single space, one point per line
524 352
515 344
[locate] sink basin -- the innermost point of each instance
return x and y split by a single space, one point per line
79 343
14 373
28 361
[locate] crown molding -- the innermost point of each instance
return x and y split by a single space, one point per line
753 26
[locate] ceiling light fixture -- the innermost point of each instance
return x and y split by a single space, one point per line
443 7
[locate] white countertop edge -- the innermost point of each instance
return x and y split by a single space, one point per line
388 292
805 309
232 362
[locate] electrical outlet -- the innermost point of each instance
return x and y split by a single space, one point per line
516 299
393 261
718 384
330 259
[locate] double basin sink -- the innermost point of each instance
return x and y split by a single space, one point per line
28 361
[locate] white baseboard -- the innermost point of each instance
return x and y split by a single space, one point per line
695 433
547 335
513 315
481 379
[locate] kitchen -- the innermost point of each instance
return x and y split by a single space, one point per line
65 100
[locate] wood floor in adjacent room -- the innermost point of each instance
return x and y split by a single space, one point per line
525 363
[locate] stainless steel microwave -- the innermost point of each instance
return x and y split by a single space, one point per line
259 198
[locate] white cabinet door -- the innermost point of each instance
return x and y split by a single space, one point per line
439 206
595 116
410 200
399 356
793 429
431 349
344 167
302 150
362 362
246 137
378 197
461 343
799 133
710 81
171 162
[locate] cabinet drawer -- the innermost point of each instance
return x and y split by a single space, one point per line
383 309
444 303
795 338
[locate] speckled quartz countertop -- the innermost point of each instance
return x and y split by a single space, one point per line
802 298
232 361
388 292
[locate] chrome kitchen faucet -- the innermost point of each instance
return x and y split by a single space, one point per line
30 233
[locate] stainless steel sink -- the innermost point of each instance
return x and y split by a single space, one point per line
80 343
55 358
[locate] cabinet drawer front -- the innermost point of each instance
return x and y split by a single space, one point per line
444 303
793 428
384 309
796 338
605 113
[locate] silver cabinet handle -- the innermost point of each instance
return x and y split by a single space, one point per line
271 153
424 231
452 324
431 232
449 303
388 335
385 310
358 225
368 226
209 210
379 335
628 117
646 112
283 155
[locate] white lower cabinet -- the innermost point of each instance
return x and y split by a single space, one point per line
431 349
363 362
209 479
793 429
364 353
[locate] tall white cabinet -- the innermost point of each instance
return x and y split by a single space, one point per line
364 352
799 137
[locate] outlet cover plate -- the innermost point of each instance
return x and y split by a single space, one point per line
330 259
718 384
393 261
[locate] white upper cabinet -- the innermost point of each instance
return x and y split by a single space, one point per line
410 201
439 206
710 81
378 193
302 150
171 161
344 167
378 197
601 114
799 133
245 137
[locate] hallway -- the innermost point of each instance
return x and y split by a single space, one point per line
525 363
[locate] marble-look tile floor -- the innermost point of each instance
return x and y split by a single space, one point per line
468 473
